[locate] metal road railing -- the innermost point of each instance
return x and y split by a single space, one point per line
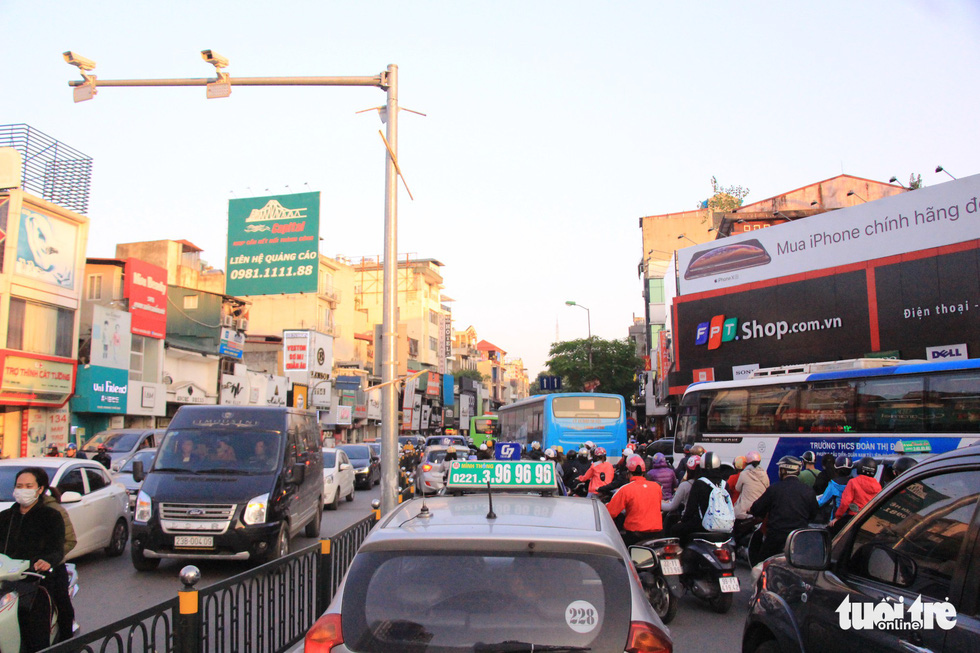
266 610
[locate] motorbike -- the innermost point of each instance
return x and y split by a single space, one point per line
658 564
12 573
748 540
708 569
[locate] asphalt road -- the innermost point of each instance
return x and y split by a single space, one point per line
110 589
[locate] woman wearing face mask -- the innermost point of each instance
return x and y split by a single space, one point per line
30 530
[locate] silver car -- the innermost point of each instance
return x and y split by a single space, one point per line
531 571
125 473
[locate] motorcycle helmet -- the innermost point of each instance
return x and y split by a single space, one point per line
842 462
408 448
687 448
659 458
753 457
810 458
559 449
590 444
790 466
697 450
583 451
72 446
483 447
693 462
739 462
634 463
535 445
867 466
710 460
550 453
627 452
599 451
901 465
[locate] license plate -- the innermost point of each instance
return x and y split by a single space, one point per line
194 541
670 567
728 584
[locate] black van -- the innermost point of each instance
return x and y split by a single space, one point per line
229 482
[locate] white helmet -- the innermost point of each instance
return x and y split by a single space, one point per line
535 445
583 451
590 444
550 453
627 452
483 447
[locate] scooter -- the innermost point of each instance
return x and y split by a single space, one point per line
11 572
658 565
708 569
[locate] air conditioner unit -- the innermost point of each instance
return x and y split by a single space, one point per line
227 321
243 324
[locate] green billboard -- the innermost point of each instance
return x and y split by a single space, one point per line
273 244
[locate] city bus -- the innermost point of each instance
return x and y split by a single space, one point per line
483 427
911 408
566 420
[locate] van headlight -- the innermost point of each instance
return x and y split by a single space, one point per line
144 507
256 509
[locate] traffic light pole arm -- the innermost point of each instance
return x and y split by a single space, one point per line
379 81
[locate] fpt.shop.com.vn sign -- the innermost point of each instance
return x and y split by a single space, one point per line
273 244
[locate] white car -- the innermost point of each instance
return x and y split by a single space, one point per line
98 507
338 478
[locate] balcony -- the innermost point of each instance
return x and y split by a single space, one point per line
330 330
331 294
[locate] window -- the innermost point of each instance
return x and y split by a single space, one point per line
953 403
655 291
413 348
433 343
433 317
827 408
728 412
96 479
190 302
95 286
72 482
891 404
915 539
40 328
136 358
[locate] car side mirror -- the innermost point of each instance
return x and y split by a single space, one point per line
808 548
344 467
887 565
299 472
138 473
71 497
641 556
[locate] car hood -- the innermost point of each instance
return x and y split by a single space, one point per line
180 487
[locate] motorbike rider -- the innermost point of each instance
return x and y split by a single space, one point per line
752 482
739 465
59 574
30 530
711 476
661 472
102 457
71 451
826 474
640 500
809 474
552 455
409 459
674 508
860 489
695 450
829 500
53 452
535 453
450 454
599 474
789 504
484 452
578 464
898 467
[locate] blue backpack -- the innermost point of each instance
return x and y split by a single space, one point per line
719 517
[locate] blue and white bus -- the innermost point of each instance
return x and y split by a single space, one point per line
566 420
906 409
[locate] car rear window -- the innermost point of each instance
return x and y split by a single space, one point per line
418 601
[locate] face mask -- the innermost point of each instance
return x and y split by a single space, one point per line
25 496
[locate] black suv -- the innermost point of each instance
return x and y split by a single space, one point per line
903 575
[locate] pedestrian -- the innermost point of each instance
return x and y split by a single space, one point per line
788 505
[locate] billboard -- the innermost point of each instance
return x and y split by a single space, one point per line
112 339
273 244
101 390
146 289
931 217
923 305
46 248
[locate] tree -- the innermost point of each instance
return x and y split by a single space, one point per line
915 181
724 199
614 365
470 374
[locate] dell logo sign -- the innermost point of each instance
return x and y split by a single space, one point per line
947 352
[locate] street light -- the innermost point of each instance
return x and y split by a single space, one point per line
942 169
588 317
685 236
851 192
894 180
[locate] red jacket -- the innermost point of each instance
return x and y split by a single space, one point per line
640 498
732 482
860 490
598 475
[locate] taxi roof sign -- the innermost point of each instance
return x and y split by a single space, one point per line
530 475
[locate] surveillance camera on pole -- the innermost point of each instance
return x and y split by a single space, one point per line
222 86
87 90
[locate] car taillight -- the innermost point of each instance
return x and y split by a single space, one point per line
647 638
672 550
426 467
723 555
324 635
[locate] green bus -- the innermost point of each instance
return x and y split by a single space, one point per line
483 427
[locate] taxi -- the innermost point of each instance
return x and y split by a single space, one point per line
500 562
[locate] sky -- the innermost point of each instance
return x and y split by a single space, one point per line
550 127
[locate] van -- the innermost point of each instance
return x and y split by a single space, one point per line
121 444
231 483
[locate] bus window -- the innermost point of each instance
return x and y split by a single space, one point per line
687 423
953 403
827 408
594 407
728 412
773 409
892 404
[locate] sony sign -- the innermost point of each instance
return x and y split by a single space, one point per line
946 353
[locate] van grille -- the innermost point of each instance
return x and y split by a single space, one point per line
196 517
